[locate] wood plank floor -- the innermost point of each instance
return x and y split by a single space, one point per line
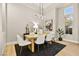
71 49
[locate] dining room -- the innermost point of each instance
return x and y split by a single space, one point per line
35 29
39 29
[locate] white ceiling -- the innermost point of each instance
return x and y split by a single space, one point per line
45 5
36 5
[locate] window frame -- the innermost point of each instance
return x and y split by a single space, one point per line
65 15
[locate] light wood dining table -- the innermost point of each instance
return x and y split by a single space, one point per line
32 38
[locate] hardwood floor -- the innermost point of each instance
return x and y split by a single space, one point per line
71 49
10 50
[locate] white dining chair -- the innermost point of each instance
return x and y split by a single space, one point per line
40 40
22 42
49 38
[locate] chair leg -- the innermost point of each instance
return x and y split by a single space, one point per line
20 50
38 48
44 45
47 44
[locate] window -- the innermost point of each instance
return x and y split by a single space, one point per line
68 16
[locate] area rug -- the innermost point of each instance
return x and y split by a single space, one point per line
45 50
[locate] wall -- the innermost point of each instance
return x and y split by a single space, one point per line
17 17
1 38
21 15
75 28
2 34
50 13
57 15
59 22
76 23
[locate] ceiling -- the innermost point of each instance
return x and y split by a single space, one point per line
45 5
36 6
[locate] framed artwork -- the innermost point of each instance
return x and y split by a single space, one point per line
49 24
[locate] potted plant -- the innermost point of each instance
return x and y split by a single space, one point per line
60 33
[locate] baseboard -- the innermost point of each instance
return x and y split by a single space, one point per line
71 41
15 42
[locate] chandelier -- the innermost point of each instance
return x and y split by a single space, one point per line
41 15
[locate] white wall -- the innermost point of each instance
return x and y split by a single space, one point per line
21 15
76 23
1 37
50 13
2 34
75 28
61 23
17 17
57 14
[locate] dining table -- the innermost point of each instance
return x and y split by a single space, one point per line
32 38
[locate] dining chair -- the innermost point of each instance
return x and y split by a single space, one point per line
22 42
40 40
50 37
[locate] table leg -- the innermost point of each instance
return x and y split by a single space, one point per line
33 45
